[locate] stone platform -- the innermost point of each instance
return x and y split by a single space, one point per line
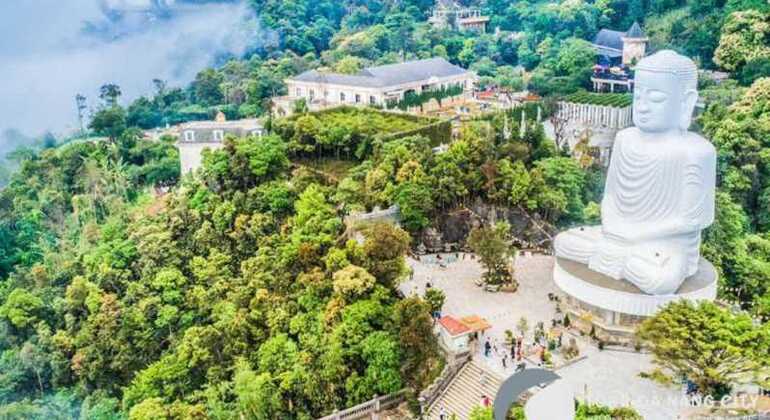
614 308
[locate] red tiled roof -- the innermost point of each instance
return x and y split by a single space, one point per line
475 323
453 326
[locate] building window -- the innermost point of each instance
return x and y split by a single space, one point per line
219 135
326 94
189 135
358 98
312 93
342 96
299 92
372 100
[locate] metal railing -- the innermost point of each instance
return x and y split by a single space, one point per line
455 363
369 408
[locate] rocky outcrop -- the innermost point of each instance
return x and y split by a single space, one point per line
453 227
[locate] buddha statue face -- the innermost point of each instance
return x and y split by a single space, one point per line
664 92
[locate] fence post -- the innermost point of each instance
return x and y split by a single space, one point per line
376 413
421 400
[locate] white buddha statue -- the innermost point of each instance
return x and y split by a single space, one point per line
660 185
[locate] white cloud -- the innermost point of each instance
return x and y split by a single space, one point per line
52 50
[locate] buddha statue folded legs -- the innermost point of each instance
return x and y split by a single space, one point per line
578 244
656 267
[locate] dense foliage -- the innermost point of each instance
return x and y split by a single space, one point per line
234 296
548 39
582 412
709 346
485 161
738 241
620 100
350 132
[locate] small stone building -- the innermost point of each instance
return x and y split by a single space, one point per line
448 13
196 136
616 47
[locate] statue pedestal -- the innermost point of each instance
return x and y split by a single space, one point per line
614 308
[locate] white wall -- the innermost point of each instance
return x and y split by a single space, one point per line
454 344
191 154
379 93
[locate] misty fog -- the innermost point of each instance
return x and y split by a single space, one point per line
51 50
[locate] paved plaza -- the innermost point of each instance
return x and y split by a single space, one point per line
608 377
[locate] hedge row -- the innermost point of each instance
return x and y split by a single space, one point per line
619 100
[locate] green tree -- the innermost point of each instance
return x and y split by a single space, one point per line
435 298
352 282
316 221
710 346
21 308
557 188
414 202
109 94
753 70
348 65
745 37
414 326
492 245
384 249
257 395
575 60
207 87
110 122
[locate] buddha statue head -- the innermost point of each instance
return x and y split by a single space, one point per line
665 92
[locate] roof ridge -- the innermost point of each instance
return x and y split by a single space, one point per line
635 31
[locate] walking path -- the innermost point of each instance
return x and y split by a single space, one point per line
606 377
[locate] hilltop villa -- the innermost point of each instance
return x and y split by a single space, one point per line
196 136
372 85
618 52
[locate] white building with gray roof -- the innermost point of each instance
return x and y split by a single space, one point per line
616 47
196 136
372 85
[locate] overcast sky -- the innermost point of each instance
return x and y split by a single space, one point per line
50 50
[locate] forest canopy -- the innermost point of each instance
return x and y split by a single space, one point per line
130 291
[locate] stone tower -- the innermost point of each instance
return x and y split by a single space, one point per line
634 45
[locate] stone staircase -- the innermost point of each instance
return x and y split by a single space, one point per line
465 392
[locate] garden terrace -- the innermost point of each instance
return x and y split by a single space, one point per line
346 132
617 100
412 99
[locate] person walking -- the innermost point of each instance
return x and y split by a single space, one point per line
505 357
442 413
487 348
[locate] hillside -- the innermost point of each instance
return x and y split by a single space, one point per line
129 291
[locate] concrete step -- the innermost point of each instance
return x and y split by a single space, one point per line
465 391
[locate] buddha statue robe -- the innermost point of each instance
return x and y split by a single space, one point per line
658 196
